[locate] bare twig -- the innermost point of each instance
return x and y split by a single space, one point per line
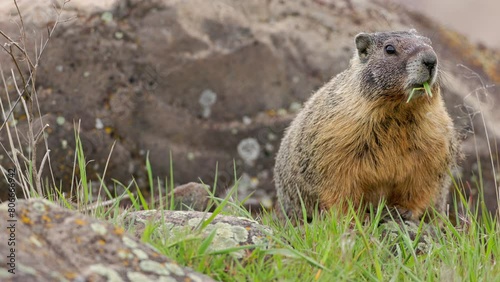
483 89
26 96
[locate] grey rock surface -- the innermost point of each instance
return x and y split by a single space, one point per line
230 231
56 244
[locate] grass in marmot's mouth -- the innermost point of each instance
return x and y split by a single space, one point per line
426 87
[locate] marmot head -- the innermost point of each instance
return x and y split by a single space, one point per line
392 63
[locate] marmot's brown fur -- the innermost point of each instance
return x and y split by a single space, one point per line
358 139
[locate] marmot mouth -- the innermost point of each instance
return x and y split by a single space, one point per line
417 90
420 85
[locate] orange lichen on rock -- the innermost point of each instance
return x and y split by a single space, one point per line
46 218
119 231
81 222
70 275
25 219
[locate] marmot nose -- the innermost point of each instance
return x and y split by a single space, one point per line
430 61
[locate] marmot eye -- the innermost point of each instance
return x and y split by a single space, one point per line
389 49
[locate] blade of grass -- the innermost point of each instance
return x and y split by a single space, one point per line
206 243
149 171
427 88
144 203
411 94
171 172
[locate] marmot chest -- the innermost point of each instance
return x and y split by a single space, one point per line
386 151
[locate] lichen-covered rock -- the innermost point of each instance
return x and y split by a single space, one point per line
230 231
422 238
56 244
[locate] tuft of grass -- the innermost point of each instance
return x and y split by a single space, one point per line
426 87
331 248
342 247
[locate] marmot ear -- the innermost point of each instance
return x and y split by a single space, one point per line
363 44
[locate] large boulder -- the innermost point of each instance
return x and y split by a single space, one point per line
217 82
50 243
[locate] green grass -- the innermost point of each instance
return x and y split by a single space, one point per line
336 247
341 248
332 247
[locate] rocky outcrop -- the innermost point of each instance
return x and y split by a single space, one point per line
229 231
54 244
217 81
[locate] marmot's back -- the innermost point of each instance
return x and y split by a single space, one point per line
358 139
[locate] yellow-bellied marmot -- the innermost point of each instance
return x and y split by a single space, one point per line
358 139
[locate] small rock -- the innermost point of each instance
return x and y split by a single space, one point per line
75 247
190 196
231 231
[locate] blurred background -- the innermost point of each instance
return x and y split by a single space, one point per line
478 20
211 85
